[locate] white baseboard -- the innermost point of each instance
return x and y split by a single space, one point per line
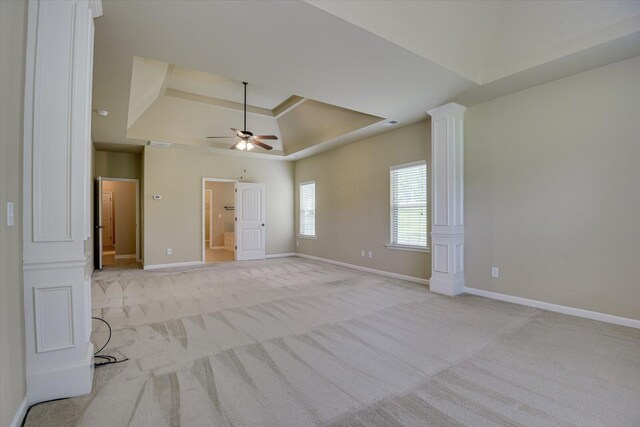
587 314
217 247
20 413
279 255
172 265
75 379
367 269
126 256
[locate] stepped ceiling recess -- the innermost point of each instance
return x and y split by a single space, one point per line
325 73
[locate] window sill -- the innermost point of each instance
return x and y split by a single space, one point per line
302 236
396 247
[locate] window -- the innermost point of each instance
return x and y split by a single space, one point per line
308 209
409 205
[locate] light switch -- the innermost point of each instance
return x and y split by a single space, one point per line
9 214
495 272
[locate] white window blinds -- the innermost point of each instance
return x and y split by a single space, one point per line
308 209
409 205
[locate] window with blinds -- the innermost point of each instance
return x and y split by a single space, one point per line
308 209
409 205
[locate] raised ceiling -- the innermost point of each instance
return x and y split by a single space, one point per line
174 104
385 59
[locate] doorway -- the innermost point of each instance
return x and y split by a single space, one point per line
218 213
117 219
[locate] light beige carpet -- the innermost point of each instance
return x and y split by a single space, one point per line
292 342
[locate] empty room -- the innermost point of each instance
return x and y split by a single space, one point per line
319 213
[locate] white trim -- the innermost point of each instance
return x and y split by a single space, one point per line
279 255
572 311
208 192
172 265
127 256
39 292
137 182
204 189
367 269
218 247
397 247
75 379
408 165
307 236
20 413
96 8
50 264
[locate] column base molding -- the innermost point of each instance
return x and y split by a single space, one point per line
63 381
445 286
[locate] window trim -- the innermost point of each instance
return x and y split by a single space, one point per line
398 246
299 234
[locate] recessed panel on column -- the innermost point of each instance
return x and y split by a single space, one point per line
458 255
52 127
440 172
441 258
53 317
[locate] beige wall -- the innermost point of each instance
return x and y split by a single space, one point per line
175 221
13 20
223 195
124 214
353 200
552 191
118 165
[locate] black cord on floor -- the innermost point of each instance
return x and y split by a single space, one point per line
26 414
110 360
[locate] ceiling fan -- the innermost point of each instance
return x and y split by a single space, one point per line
245 139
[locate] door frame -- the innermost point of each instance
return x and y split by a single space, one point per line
207 192
137 183
204 183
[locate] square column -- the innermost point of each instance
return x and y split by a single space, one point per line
447 219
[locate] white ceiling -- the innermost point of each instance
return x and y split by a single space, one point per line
391 59
487 40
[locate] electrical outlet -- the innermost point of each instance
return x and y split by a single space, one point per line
370 254
169 251
362 253
495 272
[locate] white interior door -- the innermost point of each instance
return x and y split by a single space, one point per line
250 221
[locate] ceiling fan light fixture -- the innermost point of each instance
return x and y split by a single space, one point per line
247 140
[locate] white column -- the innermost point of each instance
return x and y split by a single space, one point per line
447 219
57 261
